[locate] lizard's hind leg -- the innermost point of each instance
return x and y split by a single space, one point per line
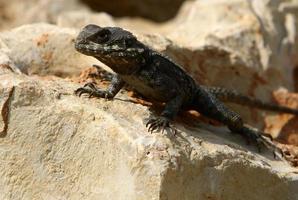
208 105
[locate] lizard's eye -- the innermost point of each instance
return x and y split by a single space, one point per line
102 36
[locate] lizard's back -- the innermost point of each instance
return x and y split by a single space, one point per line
161 79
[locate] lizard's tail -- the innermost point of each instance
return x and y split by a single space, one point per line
235 97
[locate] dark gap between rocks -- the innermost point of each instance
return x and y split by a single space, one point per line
156 10
295 78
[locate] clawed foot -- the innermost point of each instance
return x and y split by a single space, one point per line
262 140
268 143
91 89
266 140
158 123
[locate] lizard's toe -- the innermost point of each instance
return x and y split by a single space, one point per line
159 123
79 91
83 90
91 89
90 85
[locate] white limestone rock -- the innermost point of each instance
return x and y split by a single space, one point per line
45 49
60 146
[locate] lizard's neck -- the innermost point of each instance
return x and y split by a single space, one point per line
121 65
125 65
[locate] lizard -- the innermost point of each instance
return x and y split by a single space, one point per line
158 78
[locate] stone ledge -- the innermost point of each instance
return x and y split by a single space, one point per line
61 146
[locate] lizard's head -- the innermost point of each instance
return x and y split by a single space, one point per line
113 46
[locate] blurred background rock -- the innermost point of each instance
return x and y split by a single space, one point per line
17 12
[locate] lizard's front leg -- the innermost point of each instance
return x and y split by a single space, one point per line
116 84
163 121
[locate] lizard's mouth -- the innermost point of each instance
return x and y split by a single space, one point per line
86 46
94 49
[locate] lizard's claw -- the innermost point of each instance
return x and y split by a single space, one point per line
264 141
91 89
90 85
81 91
159 123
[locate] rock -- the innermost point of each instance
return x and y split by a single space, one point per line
59 146
77 19
15 13
45 50
5 62
248 39
284 127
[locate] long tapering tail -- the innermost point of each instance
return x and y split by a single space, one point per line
235 97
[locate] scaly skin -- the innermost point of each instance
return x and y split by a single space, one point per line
158 78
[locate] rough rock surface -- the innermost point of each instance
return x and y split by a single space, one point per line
59 146
284 126
237 39
54 145
44 49
15 12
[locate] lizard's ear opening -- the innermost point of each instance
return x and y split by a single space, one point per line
129 42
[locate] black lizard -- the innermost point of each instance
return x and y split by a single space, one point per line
158 78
